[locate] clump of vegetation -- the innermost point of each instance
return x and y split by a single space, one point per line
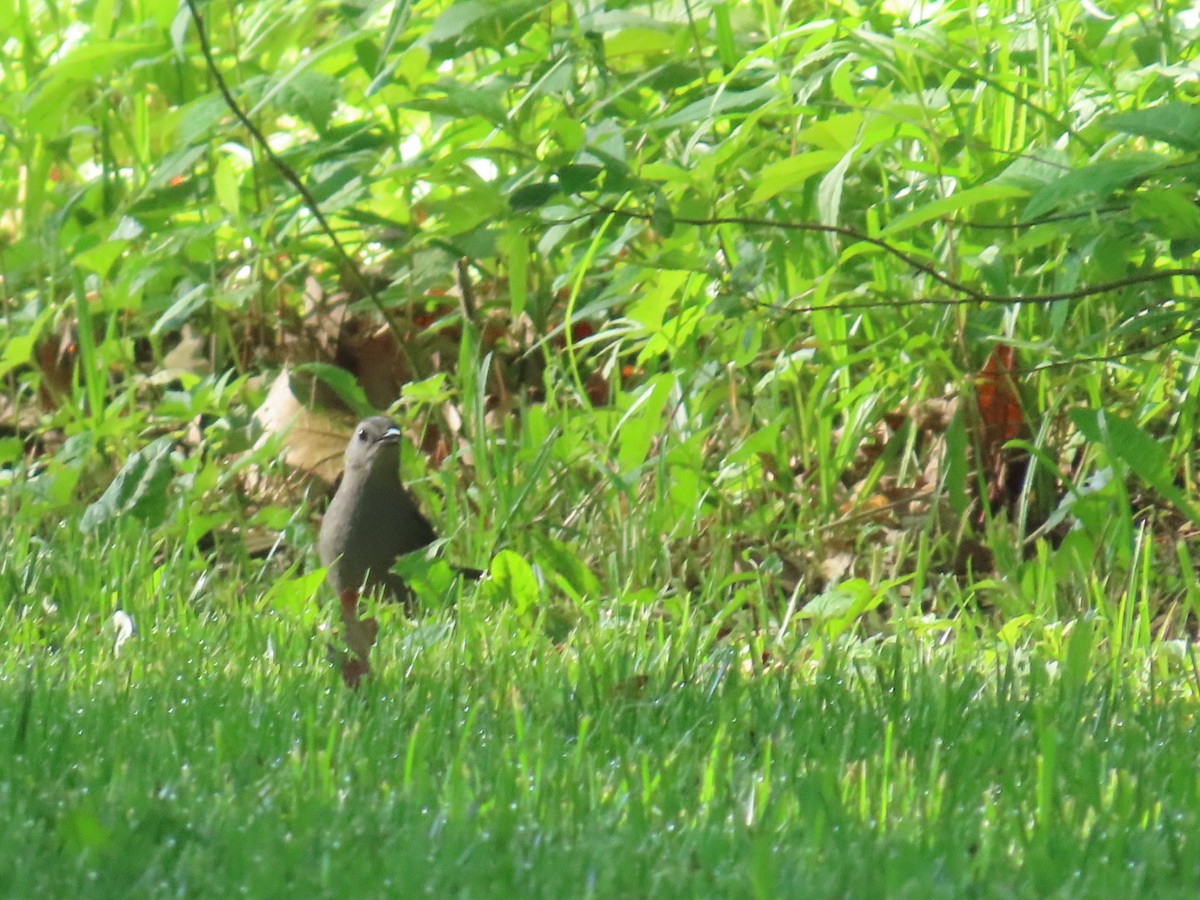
816 384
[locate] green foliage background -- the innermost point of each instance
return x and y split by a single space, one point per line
785 226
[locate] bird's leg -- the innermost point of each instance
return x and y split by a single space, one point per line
359 636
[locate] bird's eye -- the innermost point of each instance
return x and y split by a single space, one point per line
362 434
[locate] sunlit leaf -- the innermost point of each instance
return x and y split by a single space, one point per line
139 490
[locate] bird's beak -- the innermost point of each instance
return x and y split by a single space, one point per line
391 436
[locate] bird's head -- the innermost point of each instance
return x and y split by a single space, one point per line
375 446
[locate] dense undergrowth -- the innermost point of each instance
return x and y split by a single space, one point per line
817 380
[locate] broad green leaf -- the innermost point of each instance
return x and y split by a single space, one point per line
18 351
630 42
511 580
568 568
721 104
429 391
1173 212
459 18
71 78
182 309
787 174
344 384
139 490
836 610
662 219
18 348
413 65
296 596
1176 123
761 440
531 196
175 166
1098 180
100 259
577 177
642 422
311 96
462 101
1145 456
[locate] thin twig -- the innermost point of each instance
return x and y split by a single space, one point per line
973 295
290 176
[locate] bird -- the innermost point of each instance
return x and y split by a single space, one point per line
372 518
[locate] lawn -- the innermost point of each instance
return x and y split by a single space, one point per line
816 383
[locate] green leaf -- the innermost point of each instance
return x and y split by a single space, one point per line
829 192
1100 180
578 177
1175 123
100 259
343 383
366 54
460 18
662 219
515 246
311 96
296 597
726 48
225 182
182 309
1080 653
956 464
567 568
837 609
621 46
511 580
531 196
1145 456
845 601
1172 212
139 490
956 202
718 106
428 391
642 423
787 174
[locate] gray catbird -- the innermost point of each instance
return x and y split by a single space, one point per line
372 519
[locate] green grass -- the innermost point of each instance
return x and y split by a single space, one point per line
660 690
646 754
